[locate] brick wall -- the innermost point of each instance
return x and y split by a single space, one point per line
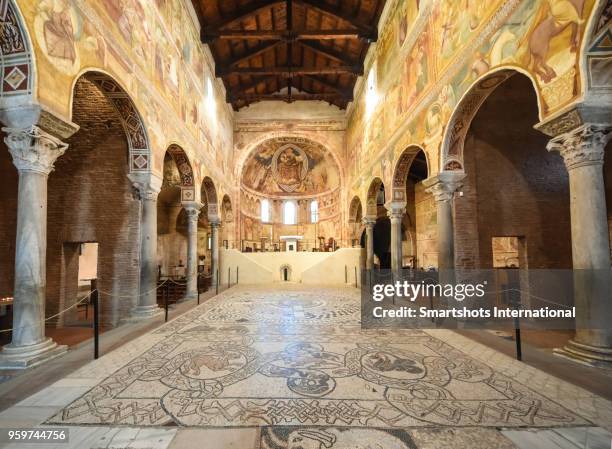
8 220
514 187
90 200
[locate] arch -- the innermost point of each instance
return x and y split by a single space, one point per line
402 169
355 210
371 204
131 120
596 51
185 171
227 214
454 135
16 58
209 197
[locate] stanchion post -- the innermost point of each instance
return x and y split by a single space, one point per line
199 284
229 277
237 273
217 283
355 277
165 295
515 300
96 317
345 274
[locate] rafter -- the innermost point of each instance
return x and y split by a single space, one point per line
253 52
287 36
288 98
288 72
327 52
338 13
344 92
255 82
244 12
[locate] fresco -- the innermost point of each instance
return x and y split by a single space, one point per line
291 166
440 49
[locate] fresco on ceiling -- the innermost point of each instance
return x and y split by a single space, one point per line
290 166
439 51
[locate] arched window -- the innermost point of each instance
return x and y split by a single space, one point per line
314 211
265 211
289 213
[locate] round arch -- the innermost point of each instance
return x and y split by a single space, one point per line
355 210
16 58
451 157
138 140
227 213
185 171
402 168
371 202
210 198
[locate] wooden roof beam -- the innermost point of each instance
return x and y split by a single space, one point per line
288 72
245 12
287 36
250 98
254 52
326 52
324 8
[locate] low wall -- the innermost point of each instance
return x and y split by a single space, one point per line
306 267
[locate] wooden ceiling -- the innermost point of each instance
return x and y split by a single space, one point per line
289 50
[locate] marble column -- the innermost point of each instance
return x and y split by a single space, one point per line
214 251
443 187
396 213
34 153
192 209
369 223
582 150
148 187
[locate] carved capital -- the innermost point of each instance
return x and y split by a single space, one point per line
192 209
33 149
396 210
215 223
582 146
444 185
369 222
146 185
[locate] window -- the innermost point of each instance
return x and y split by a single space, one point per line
289 213
265 211
210 99
371 99
314 211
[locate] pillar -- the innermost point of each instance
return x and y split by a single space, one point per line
34 153
396 213
148 187
443 187
214 251
192 209
369 223
582 150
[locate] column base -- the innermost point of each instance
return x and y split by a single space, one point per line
140 313
599 357
22 357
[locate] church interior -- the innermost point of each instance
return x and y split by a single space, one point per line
196 195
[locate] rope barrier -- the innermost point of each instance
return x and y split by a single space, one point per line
53 316
132 296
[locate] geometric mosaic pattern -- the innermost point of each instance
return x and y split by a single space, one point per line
16 72
286 361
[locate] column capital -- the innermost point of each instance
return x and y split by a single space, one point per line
33 149
147 185
582 146
215 223
444 185
369 221
396 209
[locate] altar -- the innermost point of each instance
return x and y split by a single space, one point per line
291 242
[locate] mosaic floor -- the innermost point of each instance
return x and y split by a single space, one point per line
294 367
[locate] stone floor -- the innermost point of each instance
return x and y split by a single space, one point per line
290 367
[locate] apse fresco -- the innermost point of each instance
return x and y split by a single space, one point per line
291 166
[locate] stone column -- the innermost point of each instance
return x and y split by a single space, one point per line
396 213
34 152
582 150
148 187
193 212
214 251
443 188
369 223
